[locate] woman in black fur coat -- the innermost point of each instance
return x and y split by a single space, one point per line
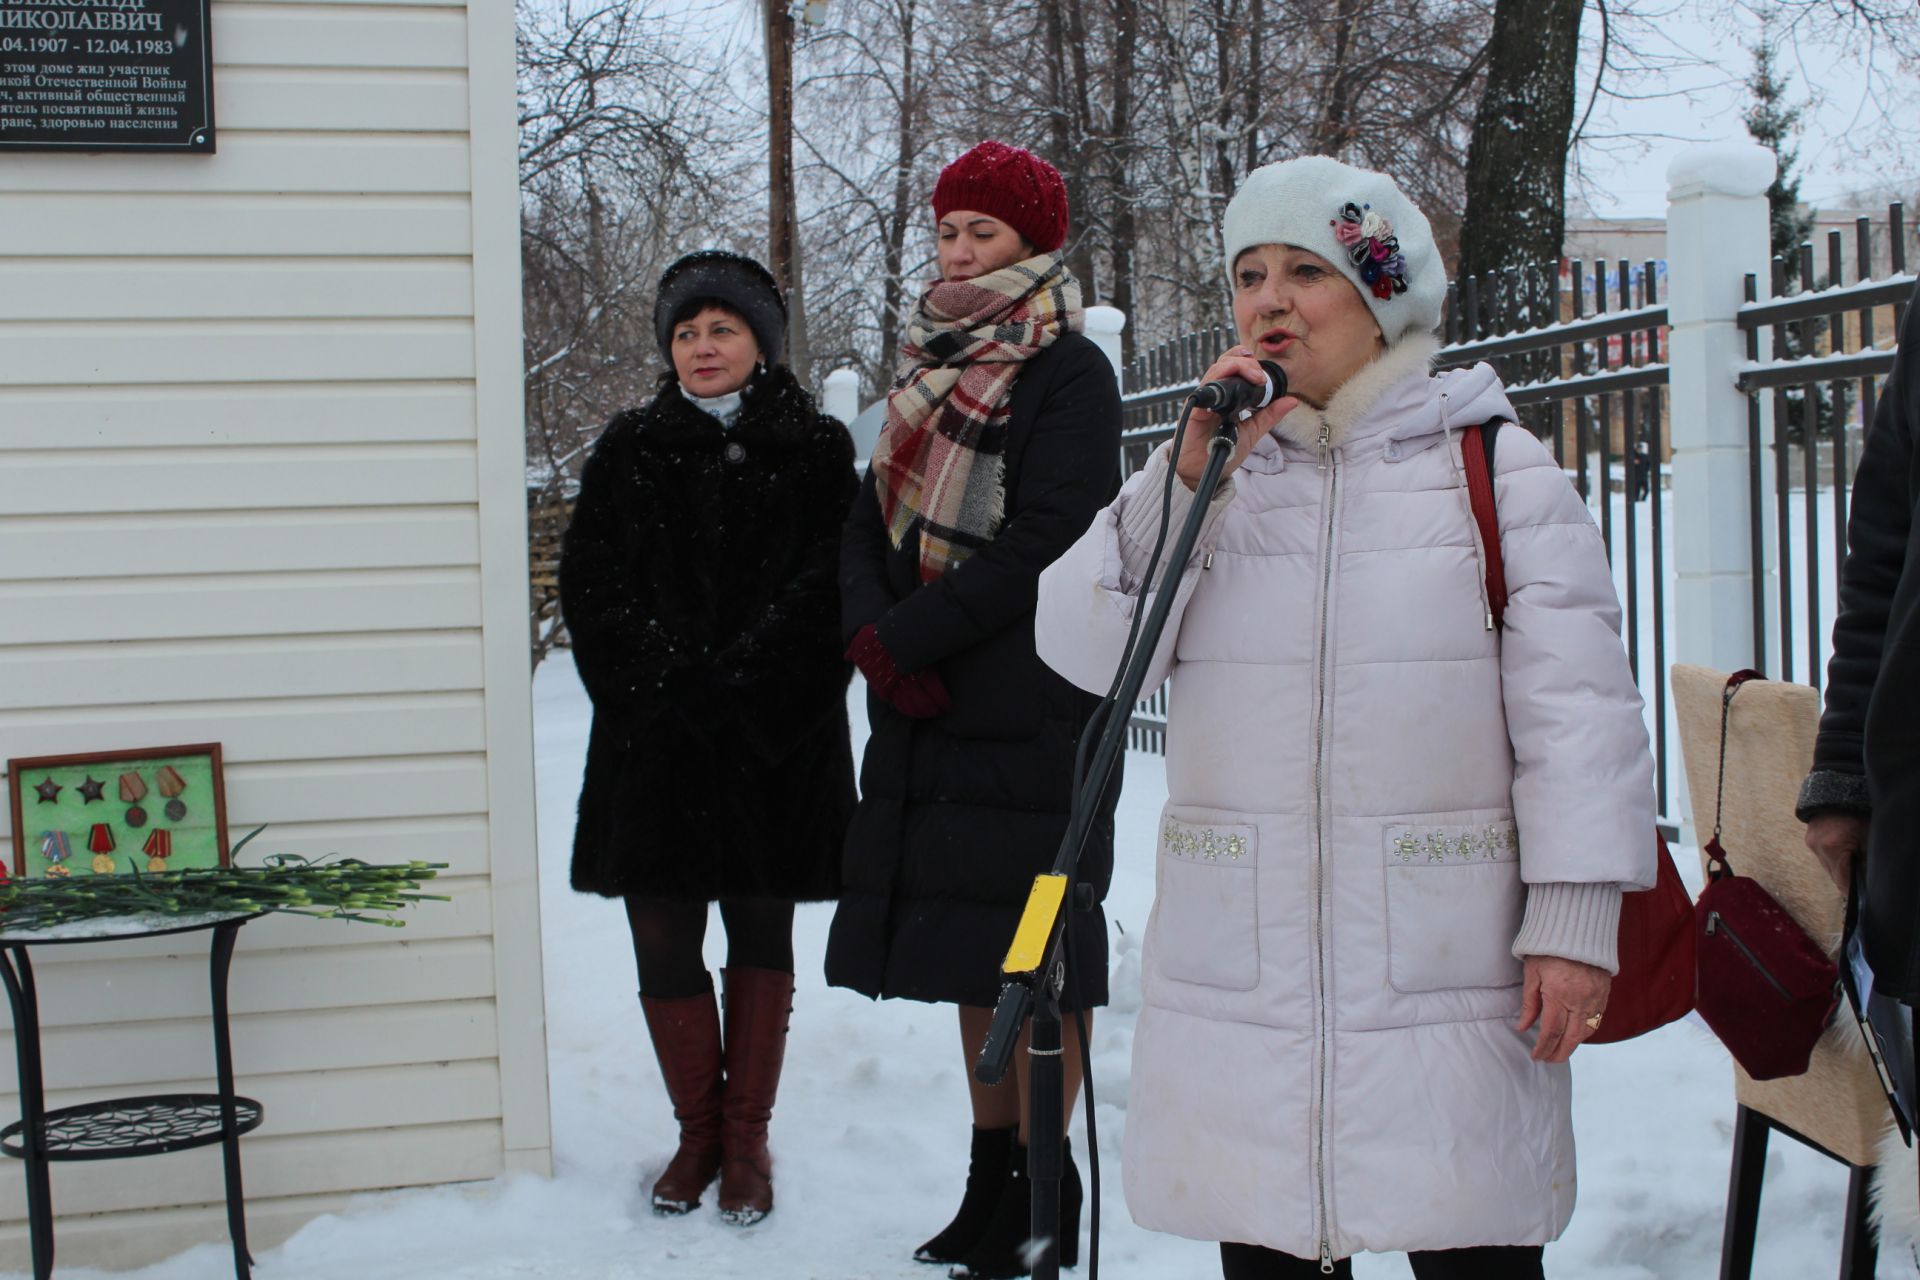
698 584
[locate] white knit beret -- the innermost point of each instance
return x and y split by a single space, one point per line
1354 218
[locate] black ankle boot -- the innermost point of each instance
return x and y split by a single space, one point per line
986 1175
1000 1253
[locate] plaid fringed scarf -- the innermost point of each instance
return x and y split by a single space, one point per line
942 456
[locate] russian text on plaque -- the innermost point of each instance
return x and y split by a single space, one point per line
105 75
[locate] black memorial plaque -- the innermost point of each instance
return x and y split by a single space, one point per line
105 75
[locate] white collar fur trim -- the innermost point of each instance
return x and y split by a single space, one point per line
1358 394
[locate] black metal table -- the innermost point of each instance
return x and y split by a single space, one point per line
121 1127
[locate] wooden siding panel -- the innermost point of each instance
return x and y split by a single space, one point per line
175 671
164 608
313 35
131 480
272 1043
294 226
420 1093
241 500
296 1165
328 99
423 1093
115 418
44 290
102 353
364 787
378 970
74 548
266 730
266 162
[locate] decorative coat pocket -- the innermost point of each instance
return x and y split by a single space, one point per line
1454 903
1207 923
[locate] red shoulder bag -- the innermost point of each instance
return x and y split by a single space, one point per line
1766 988
1655 984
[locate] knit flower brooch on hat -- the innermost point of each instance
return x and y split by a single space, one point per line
1372 247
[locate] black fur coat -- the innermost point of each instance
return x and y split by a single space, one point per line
698 581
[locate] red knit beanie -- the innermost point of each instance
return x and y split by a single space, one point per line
1010 184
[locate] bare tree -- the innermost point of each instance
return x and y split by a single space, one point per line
1153 110
867 146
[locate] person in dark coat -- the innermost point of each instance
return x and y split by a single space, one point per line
1864 791
697 579
1002 442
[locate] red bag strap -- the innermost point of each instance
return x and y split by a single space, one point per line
1717 856
1476 456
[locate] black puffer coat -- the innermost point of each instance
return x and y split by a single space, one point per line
1867 757
958 814
697 581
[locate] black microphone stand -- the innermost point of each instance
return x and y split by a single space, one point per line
1034 972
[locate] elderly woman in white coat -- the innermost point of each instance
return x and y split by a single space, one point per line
1390 867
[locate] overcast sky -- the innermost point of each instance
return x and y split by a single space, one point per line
1843 148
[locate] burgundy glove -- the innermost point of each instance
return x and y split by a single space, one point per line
920 696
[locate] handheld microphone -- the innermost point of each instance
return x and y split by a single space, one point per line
1235 399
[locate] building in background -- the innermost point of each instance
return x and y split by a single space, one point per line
261 483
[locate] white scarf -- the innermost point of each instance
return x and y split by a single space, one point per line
726 408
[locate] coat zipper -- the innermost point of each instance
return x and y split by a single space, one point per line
1716 923
1320 857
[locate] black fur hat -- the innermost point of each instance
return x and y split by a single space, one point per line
731 278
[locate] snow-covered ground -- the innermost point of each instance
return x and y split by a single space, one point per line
871 1130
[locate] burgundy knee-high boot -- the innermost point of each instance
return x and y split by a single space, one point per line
686 1037
758 1004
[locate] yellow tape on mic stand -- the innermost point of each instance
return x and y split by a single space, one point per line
1029 949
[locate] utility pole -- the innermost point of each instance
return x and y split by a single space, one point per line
783 235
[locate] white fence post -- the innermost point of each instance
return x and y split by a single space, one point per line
1717 232
1104 325
841 398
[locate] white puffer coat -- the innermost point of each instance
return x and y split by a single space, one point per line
1364 780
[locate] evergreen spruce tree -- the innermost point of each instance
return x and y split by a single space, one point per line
1775 125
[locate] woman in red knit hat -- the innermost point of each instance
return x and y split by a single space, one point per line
1001 443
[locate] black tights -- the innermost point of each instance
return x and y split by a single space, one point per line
668 937
1516 1262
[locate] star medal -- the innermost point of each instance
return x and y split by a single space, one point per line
159 848
167 780
90 790
100 845
133 789
56 849
48 790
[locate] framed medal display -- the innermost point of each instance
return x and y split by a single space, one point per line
148 810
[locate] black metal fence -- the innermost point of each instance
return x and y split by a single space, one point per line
1809 405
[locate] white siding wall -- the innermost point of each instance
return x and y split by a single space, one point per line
260 483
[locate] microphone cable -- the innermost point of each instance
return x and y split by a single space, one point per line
1082 819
